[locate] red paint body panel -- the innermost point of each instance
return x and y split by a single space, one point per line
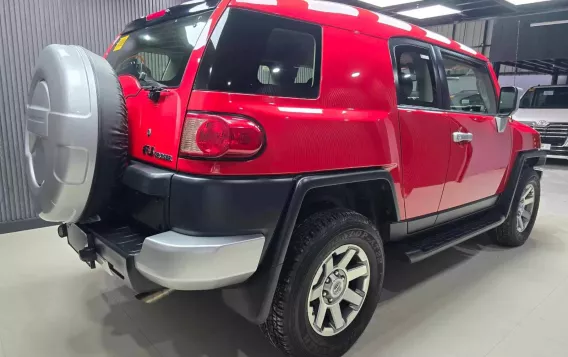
354 123
353 19
424 138
524 138
476 169
164 119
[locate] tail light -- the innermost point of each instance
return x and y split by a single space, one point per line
215 136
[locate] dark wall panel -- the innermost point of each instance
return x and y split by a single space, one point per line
540 37
26 26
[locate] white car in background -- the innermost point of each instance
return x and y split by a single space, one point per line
545 108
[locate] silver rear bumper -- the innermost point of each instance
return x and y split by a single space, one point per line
183 262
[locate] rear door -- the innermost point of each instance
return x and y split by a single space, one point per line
424 128
479 153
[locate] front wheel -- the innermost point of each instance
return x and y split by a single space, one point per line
329 287
517 228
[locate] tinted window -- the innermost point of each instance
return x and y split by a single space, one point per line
256 53
158 55
470 86
416 80
546 98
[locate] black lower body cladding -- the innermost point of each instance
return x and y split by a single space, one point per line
203 206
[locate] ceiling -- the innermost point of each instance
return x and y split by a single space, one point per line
470 9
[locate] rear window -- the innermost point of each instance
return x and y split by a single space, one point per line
545 98
256 53
158 55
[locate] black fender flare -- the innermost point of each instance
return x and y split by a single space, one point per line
253 299
536 158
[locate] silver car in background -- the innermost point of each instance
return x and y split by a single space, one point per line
545 108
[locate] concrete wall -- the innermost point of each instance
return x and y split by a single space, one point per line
26 26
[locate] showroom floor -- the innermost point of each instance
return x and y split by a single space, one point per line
474 300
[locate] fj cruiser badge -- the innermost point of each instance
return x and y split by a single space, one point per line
150 151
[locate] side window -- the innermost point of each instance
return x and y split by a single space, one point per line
256 53
526 101
470 86
416 80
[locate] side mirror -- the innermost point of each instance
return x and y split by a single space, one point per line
508 100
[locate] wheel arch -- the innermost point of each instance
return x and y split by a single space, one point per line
253 299
524 160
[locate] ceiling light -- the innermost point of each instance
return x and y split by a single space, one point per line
429 11
385 3
524 2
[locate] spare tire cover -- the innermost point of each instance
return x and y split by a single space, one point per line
77 134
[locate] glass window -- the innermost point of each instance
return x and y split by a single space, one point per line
416 80
526 101
546 98
255 53
158 55
470 85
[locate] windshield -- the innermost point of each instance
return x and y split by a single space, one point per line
158 55
545 98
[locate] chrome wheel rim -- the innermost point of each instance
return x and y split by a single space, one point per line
526 208
338 290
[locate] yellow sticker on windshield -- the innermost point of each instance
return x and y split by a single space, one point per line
121 43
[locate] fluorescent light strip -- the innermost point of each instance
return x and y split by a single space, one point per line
549 23
524 2
386 3
429 11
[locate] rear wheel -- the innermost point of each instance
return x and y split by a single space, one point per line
329 286
517 228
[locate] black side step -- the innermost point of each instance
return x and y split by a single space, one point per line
424 245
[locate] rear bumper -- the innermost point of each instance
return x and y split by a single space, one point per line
171 260
184 232
181 262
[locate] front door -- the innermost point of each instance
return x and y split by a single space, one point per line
479 154
424 128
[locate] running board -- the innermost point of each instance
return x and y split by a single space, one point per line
424 245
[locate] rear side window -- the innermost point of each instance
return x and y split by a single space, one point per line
158 55
416 80
470 86
255 53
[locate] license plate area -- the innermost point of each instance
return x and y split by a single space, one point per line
545 147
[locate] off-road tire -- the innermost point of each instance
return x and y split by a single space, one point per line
287 326
507 234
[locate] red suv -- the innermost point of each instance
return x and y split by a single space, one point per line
270 149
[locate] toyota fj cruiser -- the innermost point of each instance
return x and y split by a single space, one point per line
271 149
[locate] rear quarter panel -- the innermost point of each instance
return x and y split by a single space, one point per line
352 125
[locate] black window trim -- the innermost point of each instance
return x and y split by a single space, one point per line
318 56
405 41
447 102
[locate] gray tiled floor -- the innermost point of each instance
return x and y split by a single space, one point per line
475 300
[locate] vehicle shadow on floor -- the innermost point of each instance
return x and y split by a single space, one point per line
196 324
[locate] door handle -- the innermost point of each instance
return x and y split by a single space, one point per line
460 137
